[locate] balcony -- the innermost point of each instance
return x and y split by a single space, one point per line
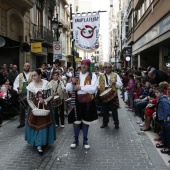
41 33
23 4
130 8
137 3
130 37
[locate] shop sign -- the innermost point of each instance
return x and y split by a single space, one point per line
78 59
156 31
36 47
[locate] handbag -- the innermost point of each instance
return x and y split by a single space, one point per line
40 112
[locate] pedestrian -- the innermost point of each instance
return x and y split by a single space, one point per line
12 75
162 113
40 130
1 76
58 89
20 84
85 112
10 68
131 89
168 73
110 80
1 116
56 67
125 80
157 76
45 72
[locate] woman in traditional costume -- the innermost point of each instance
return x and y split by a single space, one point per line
40 130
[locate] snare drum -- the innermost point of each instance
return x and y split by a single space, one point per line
108 95
68 103
23 102
56 101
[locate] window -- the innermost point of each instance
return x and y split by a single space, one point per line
39 12
49 19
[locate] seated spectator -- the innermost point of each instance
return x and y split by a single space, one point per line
144 94
150 109
138 91
142 103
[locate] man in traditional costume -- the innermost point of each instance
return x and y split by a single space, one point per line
20 84
112 80
85 112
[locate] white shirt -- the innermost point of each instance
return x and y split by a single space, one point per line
16 82
118 82
62 85
91 89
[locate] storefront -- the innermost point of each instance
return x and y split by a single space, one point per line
153 48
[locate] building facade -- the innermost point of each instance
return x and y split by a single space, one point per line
14 30
148 35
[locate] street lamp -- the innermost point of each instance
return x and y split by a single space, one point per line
115 48
93 58
57 27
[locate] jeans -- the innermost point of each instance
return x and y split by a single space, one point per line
131 97
106 108
140 106
165 134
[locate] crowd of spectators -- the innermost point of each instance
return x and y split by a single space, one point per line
146 93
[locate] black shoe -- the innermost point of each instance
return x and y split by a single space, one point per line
21 125
103 126
116 126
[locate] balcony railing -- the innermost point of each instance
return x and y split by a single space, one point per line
41 33
24 4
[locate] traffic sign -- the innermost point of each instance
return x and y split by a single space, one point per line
57 47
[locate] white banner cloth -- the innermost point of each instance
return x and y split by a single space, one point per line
86 32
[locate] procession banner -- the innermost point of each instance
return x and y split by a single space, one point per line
86 32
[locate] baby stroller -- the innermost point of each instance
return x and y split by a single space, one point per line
9 103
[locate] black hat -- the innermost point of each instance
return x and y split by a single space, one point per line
57 61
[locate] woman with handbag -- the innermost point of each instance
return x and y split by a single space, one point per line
40 125
58 89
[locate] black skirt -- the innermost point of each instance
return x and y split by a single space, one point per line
86 113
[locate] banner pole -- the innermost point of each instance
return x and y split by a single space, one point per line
72 49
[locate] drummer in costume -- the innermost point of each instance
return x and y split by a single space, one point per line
58 89
85 112
20 84
40 130
110 80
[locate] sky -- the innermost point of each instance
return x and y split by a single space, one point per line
102 5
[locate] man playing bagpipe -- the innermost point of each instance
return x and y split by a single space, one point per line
83 89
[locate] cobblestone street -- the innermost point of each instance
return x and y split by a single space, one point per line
123 149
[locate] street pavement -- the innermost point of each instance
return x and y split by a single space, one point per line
111 149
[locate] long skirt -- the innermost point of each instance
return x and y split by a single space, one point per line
41 137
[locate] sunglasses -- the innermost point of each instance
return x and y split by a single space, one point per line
107 67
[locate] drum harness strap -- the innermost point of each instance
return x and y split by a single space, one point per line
25 79
107 82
